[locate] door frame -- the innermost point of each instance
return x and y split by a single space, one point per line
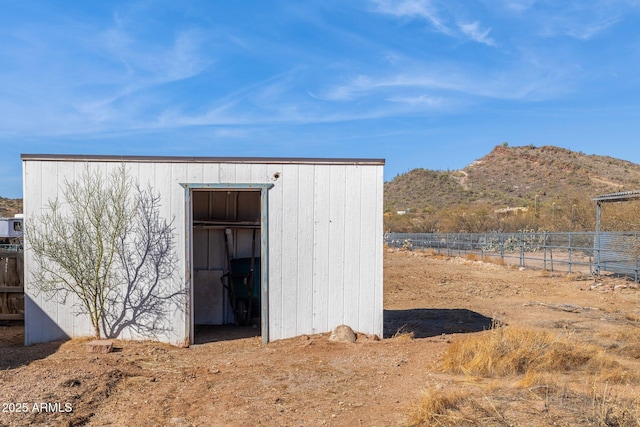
264 250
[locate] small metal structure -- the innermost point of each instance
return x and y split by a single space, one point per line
318 225
623 196
612 251
11 230
11 268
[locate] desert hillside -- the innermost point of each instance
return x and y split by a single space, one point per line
552 187
10 207
513 176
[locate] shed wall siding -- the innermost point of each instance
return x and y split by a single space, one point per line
325 242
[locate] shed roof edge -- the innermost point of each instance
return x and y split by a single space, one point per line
196 159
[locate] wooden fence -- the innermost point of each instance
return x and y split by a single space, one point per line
11 285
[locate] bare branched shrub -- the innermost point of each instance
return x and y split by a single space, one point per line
105 244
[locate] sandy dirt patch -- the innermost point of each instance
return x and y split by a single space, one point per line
430 302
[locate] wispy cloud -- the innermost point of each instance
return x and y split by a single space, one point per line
572 18
422 102
439 15
518 6
447 85
474 32
93 77
139 65
579 24
423 9
157 62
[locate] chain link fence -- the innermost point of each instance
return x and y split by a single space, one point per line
585 253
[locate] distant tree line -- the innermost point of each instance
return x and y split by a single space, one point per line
564 214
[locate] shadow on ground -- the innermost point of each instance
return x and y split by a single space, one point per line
13 352
213 333
430 322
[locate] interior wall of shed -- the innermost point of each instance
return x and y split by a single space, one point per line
222 231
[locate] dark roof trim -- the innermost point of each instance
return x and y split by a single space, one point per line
185 159
618 197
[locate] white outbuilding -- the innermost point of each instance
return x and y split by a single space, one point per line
303 236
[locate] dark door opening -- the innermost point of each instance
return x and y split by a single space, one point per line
226 276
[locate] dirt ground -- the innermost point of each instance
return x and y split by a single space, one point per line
430 302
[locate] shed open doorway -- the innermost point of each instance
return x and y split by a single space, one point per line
226 236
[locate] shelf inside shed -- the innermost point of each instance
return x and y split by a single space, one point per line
225 223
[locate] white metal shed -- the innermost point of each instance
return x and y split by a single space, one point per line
313 228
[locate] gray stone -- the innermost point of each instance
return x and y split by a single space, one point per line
343 333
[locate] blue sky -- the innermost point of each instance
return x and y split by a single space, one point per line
421 83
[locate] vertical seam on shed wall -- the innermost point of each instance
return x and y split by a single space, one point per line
344 248
264 268
314 238
361 253
378 242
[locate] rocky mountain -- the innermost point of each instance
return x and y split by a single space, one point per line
512 177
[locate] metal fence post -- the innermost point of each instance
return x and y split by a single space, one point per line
544 245
522 249
569 254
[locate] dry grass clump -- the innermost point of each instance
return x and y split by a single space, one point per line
585 404
628 341
633 317
403 333
438 407
557 378
472 257
497 261
517 351
606 410
486 258
430 252
618 375
625 341
538 382
454 407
